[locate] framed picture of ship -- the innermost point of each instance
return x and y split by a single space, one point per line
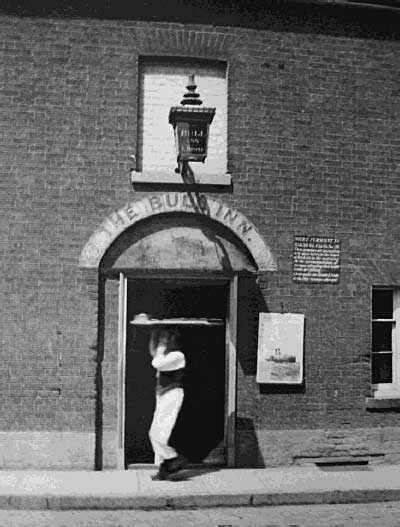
280 348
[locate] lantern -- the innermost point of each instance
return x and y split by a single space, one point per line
191 123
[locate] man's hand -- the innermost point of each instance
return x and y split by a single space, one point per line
153 343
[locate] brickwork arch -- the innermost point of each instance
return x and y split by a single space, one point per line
167 203
183 42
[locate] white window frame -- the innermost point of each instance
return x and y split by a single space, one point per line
391 390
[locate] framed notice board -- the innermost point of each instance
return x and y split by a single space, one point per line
280 348
316 260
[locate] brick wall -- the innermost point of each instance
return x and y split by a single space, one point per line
313 149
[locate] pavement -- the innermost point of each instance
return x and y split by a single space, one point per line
197 488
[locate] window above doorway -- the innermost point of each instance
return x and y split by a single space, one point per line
162 84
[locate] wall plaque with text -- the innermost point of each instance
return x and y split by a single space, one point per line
316 260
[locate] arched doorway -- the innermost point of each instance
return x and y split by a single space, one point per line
172 258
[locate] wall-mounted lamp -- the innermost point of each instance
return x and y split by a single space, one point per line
191 123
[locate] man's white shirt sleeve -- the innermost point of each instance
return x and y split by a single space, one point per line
174 360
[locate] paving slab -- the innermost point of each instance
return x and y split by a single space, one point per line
134 489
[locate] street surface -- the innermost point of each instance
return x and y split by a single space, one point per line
359 515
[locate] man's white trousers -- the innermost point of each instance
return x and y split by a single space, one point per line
166 412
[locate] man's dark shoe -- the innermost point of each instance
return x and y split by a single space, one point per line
159 477
162 473
175 464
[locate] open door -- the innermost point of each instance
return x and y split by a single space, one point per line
202 426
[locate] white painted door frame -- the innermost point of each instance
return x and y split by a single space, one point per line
230 373
230 370
122 322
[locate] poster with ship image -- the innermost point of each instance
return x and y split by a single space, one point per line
280 348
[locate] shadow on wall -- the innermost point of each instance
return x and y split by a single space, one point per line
296 17
248 453
251 303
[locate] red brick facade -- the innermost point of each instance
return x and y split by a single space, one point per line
313 149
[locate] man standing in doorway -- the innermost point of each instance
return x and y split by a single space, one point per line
169 363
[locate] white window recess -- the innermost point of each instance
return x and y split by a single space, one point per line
385 360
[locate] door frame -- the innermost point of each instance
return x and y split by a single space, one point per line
230 362
231 373
122 326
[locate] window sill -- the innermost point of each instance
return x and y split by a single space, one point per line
172 178
378 403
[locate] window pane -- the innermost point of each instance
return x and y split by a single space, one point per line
382 303
381 368
382 336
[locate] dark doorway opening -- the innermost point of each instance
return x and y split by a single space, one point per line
199 431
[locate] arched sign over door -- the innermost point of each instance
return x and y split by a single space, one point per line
201 205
